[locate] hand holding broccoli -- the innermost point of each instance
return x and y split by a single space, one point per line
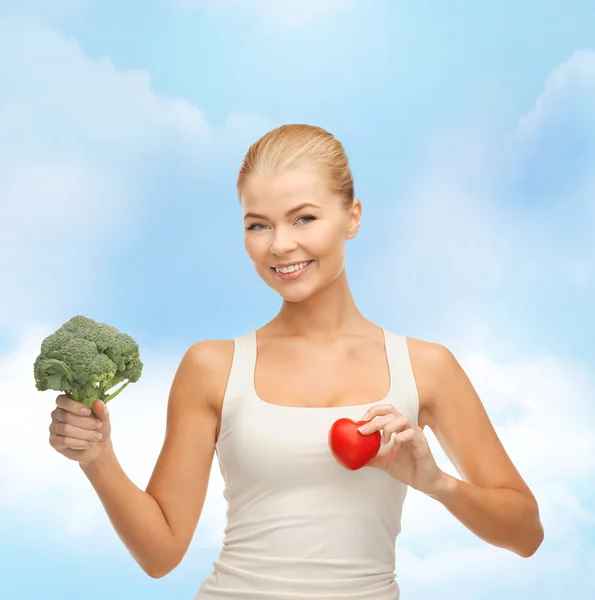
76 433
85 359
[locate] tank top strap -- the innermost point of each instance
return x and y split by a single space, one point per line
241 375
403 386
245 359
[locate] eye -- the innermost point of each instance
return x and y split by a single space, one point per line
308 218
255 227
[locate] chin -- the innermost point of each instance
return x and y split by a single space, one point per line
293 291
296 295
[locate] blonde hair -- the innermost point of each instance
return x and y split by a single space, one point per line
293 145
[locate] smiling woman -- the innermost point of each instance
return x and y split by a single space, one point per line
282 407
297 194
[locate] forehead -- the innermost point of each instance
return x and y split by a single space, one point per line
279 191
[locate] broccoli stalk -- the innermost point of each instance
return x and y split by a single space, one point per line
85 359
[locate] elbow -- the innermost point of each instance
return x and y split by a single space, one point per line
159 570
156 573
533 537
533 543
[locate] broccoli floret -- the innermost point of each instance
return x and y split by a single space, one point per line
85 359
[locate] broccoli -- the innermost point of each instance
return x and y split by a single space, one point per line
85 359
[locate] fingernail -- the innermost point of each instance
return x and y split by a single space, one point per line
365 416
86 411
363 428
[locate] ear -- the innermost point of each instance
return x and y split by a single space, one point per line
355 217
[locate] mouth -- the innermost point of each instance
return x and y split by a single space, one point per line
291 271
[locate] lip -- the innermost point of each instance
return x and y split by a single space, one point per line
280 265
294 274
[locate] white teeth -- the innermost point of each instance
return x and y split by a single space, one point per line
292 268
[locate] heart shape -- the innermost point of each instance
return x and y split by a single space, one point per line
351 448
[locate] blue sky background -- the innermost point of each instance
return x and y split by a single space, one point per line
471 135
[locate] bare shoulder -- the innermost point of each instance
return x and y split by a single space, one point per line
211 361
429 361
211 355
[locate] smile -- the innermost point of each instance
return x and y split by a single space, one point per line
292 271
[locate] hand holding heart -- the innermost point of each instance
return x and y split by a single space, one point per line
349 446
404 451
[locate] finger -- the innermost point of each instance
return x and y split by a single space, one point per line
70 431
396 425
67 403
60 443
376 424
388 422
416 441
67 430
100 410
381 409
406 436
63 416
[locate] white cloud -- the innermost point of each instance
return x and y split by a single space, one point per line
487 215
72 126
38 482
523 400
472 226
76 135
489 573
542 415
554 142
56 10
569 88
284 14
435 552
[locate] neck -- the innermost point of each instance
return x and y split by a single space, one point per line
329 312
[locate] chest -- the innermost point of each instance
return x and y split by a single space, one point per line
300 374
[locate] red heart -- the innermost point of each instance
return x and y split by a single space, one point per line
350 447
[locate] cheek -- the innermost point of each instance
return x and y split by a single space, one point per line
326 241
256 247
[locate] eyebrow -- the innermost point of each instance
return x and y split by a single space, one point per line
290 212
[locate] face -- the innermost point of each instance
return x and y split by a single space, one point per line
296 230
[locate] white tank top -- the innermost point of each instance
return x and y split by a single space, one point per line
299 525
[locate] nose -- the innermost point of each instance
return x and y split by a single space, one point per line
283 242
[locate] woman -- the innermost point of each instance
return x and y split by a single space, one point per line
299 524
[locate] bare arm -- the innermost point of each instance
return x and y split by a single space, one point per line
157 525
492 500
